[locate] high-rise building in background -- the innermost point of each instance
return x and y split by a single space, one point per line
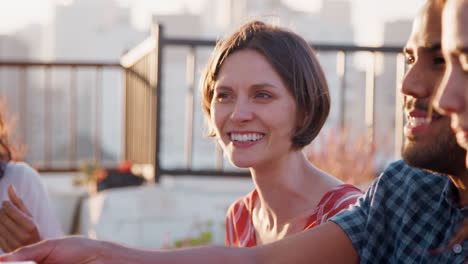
93 30
331 24
11 48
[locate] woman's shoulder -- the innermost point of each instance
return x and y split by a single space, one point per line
341 196
244 203
344 189
334 201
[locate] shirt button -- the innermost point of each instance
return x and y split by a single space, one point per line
457 248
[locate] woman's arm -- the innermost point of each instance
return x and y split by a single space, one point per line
324 244
83 250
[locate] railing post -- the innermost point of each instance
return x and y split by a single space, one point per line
341 72
370 99
47 115
399 116
190 97
157 33
72 154
22 103
97 125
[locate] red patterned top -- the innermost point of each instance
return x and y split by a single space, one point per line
240 231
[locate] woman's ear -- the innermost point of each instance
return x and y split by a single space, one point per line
302 122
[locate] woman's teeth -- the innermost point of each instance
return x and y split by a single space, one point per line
246 137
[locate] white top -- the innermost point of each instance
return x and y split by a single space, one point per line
32 191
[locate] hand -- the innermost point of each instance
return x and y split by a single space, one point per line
60 251
17 227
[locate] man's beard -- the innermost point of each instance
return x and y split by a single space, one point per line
441 155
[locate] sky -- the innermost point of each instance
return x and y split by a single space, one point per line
368 15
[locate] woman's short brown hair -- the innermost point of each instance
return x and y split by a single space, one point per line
5 149
294 61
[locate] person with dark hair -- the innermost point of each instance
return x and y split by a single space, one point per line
26 214
452 95
407 216
265 97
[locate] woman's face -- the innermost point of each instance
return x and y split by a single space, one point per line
452 96
252 111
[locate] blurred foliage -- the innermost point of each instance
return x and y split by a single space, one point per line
353 159
90 174
203 236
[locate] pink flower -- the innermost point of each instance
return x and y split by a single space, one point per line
125 166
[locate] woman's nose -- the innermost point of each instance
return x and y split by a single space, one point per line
242 111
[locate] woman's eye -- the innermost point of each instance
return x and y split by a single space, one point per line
221 97
262 95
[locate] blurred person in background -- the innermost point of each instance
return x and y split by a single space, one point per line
26 213
452 95
406 216
265 97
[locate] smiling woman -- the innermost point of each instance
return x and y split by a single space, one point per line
266 97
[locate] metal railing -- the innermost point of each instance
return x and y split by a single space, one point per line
161 44
27 108
142 77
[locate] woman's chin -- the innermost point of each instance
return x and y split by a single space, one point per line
242 164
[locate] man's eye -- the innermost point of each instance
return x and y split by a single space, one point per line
410 60
439 60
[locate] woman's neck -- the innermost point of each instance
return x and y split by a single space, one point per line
290 186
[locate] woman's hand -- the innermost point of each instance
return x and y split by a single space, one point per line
66 250
17 226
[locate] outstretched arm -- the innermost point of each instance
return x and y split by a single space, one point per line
324 244
327 243
83 250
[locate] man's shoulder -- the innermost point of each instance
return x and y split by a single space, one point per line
401 181
400 171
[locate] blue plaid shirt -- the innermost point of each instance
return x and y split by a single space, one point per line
404 217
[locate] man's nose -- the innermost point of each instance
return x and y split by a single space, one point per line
417 83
